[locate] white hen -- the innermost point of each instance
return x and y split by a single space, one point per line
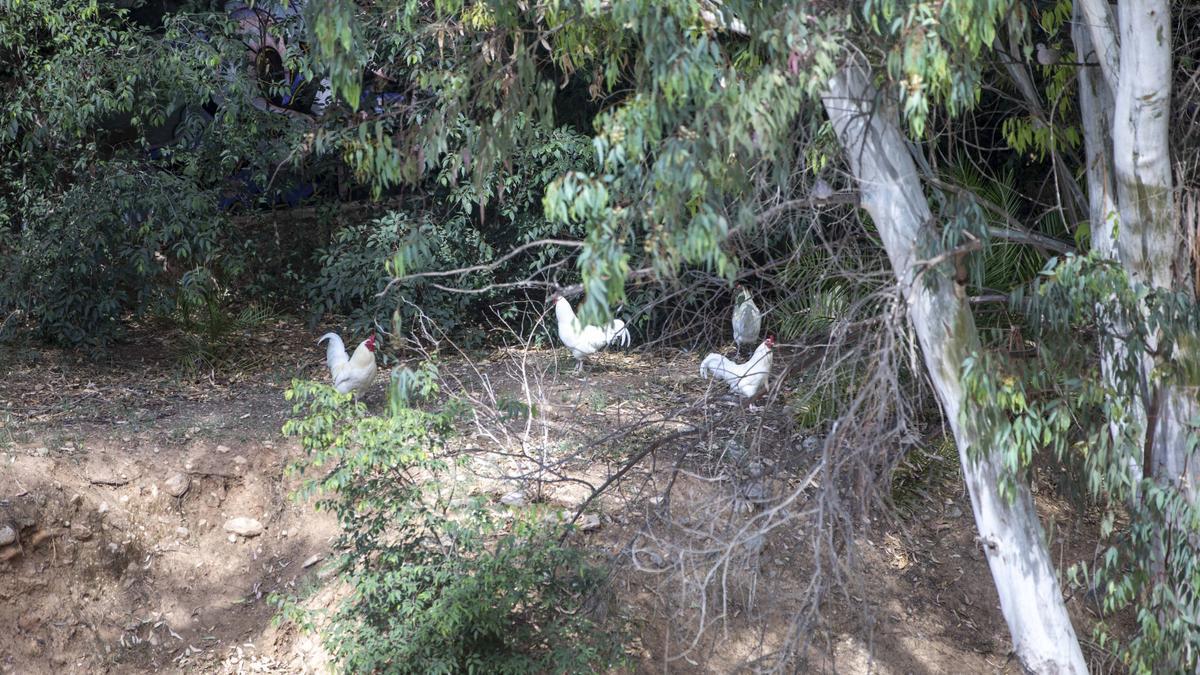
747 320
583 340
350 373
748 379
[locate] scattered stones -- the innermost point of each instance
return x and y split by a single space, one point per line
178 484
7 535
247 527
514 499
589 522
222 449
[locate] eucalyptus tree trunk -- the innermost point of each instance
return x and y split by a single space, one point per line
1133 50
1043 637
1096 112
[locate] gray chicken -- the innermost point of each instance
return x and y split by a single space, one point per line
747 320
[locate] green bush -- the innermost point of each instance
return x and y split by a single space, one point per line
129 241
438 584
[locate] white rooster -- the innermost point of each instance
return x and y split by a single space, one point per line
350 373
585 340
747 320
749 379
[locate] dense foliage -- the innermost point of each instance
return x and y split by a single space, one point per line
440 582
1062 403
450 230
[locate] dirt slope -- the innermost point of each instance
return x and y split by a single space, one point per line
119 479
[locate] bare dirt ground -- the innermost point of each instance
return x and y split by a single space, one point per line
119 478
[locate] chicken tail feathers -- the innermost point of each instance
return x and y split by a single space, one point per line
335 353
622 335
711 365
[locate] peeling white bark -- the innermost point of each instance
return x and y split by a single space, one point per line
1139 187
1096 112
1030 599
1098 19
1096 109
1148 242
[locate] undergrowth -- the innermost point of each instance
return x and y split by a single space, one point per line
439 582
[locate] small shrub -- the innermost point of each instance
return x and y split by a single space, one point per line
438 584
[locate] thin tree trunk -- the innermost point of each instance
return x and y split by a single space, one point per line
1043 637
1096 113
1150 243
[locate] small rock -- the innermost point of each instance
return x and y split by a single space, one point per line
515 498
76 499
7 535
103 508
239 460
81 533
181 531
178 484
589 522
124 499
954 511
247 527
222 449
284 534
233 538
313 559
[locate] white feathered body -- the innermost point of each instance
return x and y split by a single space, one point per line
350 373
747 379
583 340
747 320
